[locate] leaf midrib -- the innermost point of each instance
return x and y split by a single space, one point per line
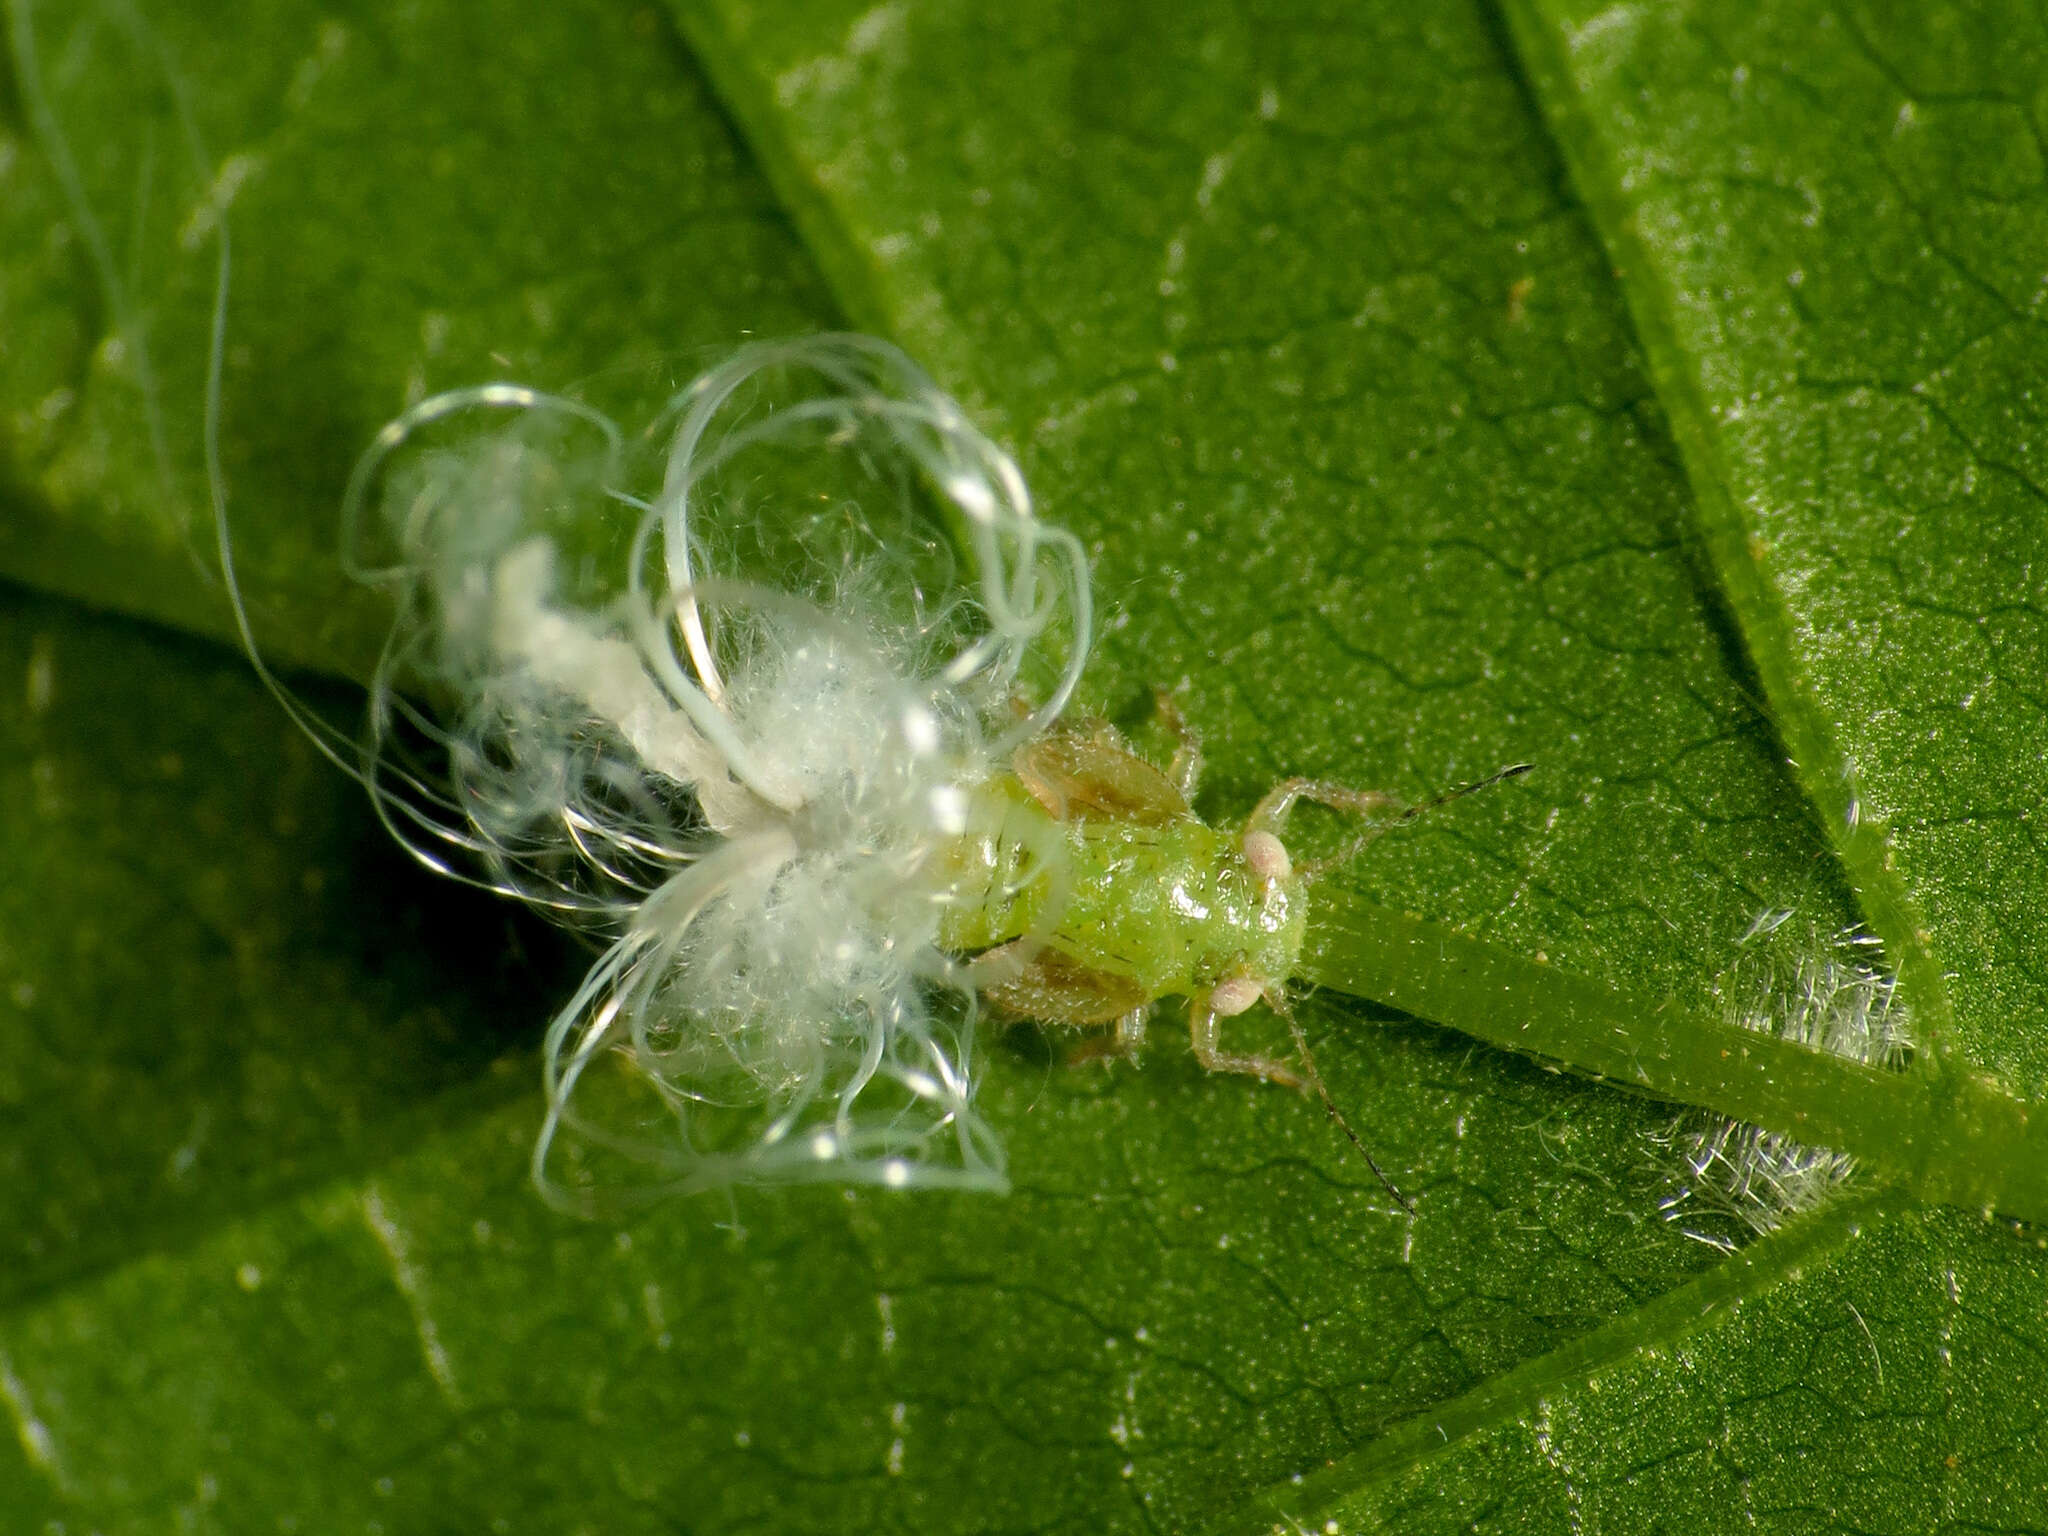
1818 765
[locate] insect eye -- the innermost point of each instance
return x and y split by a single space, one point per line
1267 856
1234 994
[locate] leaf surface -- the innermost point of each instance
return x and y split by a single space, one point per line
1301 321
1826 219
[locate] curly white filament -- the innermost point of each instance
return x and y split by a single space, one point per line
750 771
719 692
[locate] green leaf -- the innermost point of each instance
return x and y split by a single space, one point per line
1826 222
1298 318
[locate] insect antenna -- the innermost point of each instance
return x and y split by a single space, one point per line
1512 771
1315 1081
1316 869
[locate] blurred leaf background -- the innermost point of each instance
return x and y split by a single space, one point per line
1646 392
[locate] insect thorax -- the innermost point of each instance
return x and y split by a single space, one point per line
1173 907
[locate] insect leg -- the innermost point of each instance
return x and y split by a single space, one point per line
1186 768
1205 1033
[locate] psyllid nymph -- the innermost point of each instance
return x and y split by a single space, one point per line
770 698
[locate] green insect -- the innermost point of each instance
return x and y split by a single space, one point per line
1146 900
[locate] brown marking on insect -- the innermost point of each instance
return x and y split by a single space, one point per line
1052 987
1091 774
